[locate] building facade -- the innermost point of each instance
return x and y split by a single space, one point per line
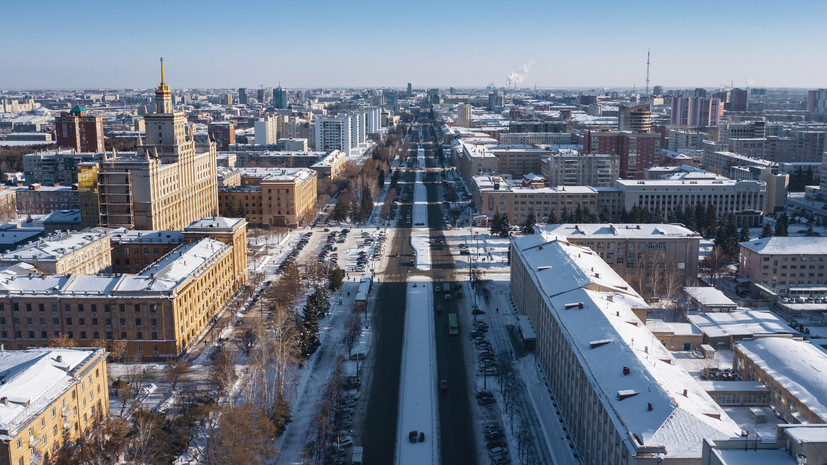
50 397
223 133
635 118
726 196
784 263
492 194
571 168
272 196
79 131
637 151
159 312
56 166
631 246
696 111
333 134
82 252
266 130
617 388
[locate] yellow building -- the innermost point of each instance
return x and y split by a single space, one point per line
271 196
84 252
493 194
159 312
49 397
332 165
165 185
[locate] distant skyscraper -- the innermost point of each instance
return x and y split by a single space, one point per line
495 101
410 89
279 98
433 96
78 131
464 115
738 100
637 118
265 130
695 111
242 96
699 92
227 99
261 96
817 102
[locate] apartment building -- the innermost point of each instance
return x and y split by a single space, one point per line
271 196
83 252
493 194
464 115
166 185
636 118
637 151
36 199
623 398
792 370
519 161
566 167
266 131
159 312
473 160
784 263
629 246
79 131
727 196
696 111
57 166
49 397
681 139
334 134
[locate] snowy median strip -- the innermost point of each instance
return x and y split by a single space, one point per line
417 386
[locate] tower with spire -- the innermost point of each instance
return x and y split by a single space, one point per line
163 96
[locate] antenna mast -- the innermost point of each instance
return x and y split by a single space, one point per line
647 72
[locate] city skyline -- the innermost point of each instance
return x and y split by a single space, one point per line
430 44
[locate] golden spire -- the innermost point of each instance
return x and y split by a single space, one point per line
163 85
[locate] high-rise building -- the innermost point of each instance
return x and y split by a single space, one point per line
56 166
638 151
738 100
817 102
464 115
357 128
334 133
223 133
695 111
266 130
279 98
79 131
410 89
166 184
495 101
261 96
242 96
637 118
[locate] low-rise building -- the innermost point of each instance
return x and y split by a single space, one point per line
271 196
793 370
782 263
726 196
159 312
49 398
629 246
620 393
535 138
331 166
493 194
36 199
676 335
722 330
708 299
82 252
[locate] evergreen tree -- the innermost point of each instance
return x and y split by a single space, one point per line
505 225
744 235
700 219
528 225
552 218
810 231
711 220
381 178
564 217
280 414
766 231
781 225
335 278
366 206
689 219
495 223
604 216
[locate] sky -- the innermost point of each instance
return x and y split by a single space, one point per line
323 43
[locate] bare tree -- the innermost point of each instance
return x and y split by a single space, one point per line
240 435
353 326
247 340
223 372
175 370
147 443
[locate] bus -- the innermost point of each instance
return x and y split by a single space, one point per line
453 326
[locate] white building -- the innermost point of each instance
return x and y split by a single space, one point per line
266 130
334 133
620 392
571 168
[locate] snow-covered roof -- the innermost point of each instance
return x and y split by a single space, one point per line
34 378
331 159
184 262
798 366
56 246
739 323
277 174
787 245
214 222
709 297
621 230
569 275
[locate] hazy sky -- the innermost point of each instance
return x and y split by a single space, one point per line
321 43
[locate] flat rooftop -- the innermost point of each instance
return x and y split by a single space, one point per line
56 246
788 245
616 231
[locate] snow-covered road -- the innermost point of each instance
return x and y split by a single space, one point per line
418 385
